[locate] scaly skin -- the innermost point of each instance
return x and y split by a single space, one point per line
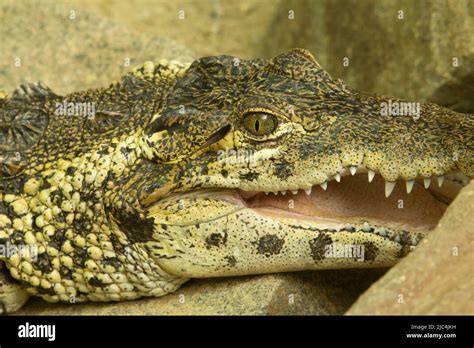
142 197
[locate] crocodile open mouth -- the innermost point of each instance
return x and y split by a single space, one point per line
355 204
355 201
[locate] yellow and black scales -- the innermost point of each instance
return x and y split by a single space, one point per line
109 202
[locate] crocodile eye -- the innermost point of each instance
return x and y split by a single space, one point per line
260 123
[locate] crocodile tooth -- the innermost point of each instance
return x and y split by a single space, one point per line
349 228
275 193
410 184
353 170
308 191
383 232
397 239
440 180
337 177
324 185
366 227
389 186
370 174
267 193
295 192
427 182
283 193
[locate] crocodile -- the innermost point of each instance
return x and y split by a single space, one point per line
219 167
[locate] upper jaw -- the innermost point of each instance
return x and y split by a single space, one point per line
446 187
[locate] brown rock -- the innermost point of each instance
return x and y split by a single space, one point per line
208 27
408 54
69 48
419 50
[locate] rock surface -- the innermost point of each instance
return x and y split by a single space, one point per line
438 277
402 48
69 51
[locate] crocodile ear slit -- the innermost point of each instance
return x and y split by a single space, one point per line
214 138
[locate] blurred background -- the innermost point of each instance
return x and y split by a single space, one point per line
420 50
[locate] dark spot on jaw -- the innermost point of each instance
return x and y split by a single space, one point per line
17 237
250 176
283 170
270 245
165 123
3 208
370 251
318 246
231 261
224 173
216 239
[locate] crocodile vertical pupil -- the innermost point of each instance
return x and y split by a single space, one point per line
259 123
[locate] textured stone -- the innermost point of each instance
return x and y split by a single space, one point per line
438 277
208 27
409 57
70 54
406 54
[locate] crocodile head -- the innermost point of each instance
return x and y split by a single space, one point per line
349 174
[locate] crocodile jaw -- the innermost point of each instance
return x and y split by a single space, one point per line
351 224
354 202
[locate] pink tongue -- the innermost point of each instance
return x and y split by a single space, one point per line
357 199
